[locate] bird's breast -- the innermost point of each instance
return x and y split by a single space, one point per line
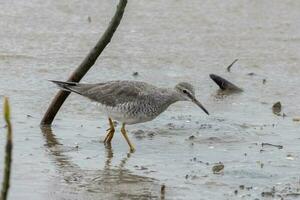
130 113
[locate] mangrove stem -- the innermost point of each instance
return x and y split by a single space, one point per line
86 64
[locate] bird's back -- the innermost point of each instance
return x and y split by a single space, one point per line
112 93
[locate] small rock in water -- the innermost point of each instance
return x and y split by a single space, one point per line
192 137
224 84
249 188
269 193
135 74
290 157
217 168
277 108
251 74
162 191
296 119
89 19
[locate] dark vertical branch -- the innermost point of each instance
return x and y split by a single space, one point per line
86 64
8 152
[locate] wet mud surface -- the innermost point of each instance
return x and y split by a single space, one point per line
43 40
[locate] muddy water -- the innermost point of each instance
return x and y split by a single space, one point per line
165 42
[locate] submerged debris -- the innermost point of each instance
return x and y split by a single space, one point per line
294 194
269 193
276 108
192 137
89 19
296 119
273 145
135 74
224 84
290 157
251 74
228 68
162 191
217 168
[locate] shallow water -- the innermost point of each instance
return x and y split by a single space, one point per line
165 42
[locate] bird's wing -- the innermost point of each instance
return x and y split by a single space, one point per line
116 92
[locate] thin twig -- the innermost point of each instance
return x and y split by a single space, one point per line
295 194
273 145
8 151
86 64
228 68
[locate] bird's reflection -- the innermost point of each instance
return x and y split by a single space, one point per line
114 182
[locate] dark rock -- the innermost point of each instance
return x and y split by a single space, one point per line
217 168
135 74
224 84
276 108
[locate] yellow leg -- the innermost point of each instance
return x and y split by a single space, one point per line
123 131
110 133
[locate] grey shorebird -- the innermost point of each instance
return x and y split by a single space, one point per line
131 102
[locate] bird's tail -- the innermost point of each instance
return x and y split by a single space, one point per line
67 86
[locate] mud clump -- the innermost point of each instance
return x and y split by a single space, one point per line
276 108
218 168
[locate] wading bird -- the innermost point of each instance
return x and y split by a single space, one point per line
131 102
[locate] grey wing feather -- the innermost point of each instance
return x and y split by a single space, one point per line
110 93
117 92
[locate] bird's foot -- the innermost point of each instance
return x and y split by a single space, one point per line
109 136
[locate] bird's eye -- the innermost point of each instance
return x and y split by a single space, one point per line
184 91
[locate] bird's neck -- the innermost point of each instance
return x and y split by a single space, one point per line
171 97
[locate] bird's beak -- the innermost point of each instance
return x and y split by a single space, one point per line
200 105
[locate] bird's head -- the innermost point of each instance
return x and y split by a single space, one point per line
187 93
